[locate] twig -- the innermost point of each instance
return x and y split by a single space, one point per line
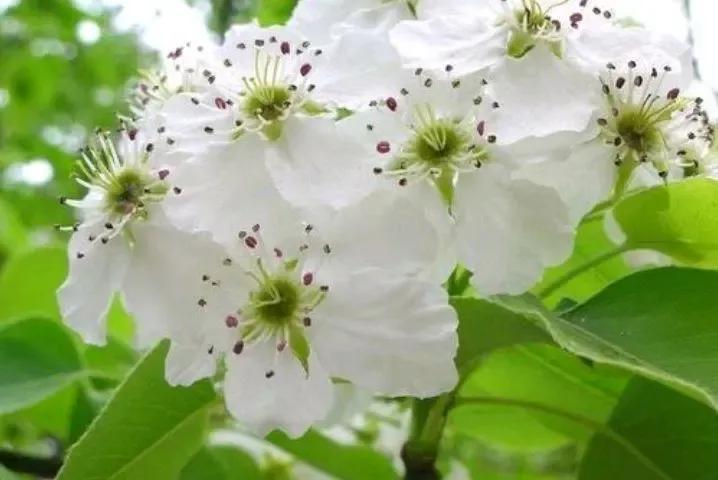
32 465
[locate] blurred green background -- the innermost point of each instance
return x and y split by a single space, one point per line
65 69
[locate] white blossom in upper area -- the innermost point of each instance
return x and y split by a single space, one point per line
540 55
646 131
434 143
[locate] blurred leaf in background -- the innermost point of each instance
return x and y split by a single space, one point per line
64 72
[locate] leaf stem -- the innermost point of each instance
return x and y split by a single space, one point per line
422 448
583 268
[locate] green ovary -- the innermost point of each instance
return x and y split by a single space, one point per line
267 102
127 191
437 143
277 302
638 132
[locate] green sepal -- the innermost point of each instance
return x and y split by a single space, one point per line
313 108
300 346
273 131
291 264
520 43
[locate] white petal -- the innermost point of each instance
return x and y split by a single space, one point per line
358 67
385 230
290 400
509 230
318 17
387 333
315 164
86 295
596 47
226 189
540 95
187 364
583 178
436 8
188 117
468 43
162 282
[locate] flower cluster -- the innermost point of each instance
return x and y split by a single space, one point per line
287 206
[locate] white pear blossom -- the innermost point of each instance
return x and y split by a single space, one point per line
124 244
326 20
341 299
434 142
646 130
257 131
540 54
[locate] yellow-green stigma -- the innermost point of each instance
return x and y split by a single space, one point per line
532 24
126 185
267 103
276 302
646 123
438 142
438 149
639 132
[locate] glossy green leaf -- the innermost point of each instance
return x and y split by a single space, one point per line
28 283
659 323
655 433
545 374
221 463
485 326
344 462
590 243
237 463
204 465
37 359
678 220
147 430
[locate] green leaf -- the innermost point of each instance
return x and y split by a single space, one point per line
505 428
7 475
677 220
237 463
344 462
273 12
206 466
658 434
12 231
37 359
591 242
545 374
658 323
221 463
485 326
29 281
147 430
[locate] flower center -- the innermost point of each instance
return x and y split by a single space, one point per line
531 24
126 184
437 142
647 123
267 103
127 190
280 305
277 301
638 131
437 150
